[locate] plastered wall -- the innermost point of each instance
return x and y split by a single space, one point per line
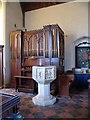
71 17
1 25
13 15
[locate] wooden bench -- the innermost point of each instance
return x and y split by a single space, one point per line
64 83
24 82
20 86
9 105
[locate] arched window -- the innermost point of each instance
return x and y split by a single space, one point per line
82 52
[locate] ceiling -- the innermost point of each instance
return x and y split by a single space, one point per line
28 6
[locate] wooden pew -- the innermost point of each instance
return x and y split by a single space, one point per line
64 83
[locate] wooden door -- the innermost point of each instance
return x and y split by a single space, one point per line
16 54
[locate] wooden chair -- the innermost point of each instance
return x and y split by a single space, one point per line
25 82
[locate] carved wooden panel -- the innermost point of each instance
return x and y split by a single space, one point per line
15 61
33 43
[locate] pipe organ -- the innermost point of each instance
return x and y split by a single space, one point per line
45 44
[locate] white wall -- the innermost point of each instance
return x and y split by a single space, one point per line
1 24
13 15
71 17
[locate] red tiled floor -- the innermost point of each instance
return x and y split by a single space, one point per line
36 109
65 115
48 113
65 107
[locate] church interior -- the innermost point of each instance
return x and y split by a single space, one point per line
44 60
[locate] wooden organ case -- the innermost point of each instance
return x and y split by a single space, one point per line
46 44
16 47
